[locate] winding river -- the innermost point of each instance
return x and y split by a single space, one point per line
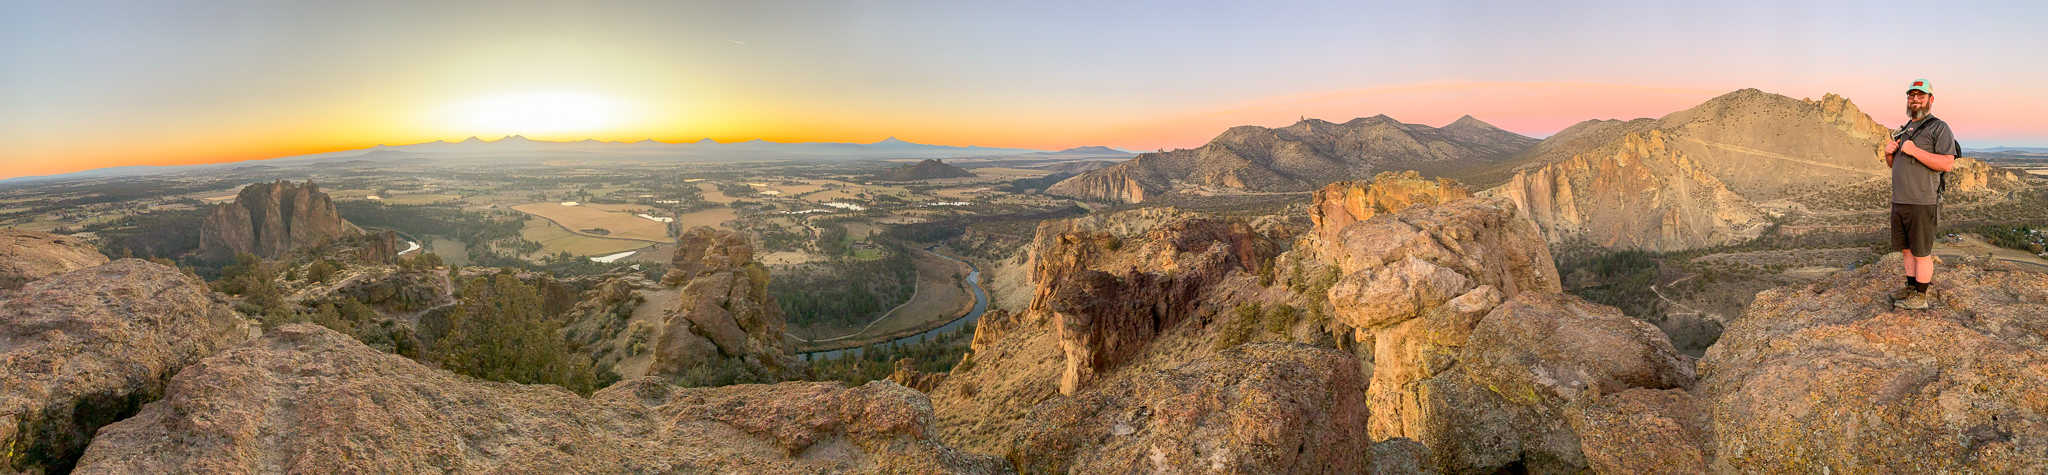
980 305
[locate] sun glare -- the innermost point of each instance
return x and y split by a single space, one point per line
543 113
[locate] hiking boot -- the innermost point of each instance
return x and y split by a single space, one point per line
1917 300
1902 293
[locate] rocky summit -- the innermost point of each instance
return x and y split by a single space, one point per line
1829 377
271 219
307 399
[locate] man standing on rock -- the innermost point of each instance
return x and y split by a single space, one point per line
1918 154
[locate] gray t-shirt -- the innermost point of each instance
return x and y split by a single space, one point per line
1912 182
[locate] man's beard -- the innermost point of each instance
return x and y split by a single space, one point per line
1917 114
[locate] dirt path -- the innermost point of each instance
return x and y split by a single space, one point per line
1775 156
1688 309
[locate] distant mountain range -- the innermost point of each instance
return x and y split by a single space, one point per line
514 147
1299 157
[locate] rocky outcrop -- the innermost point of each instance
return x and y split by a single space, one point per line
1475 351
928 169
269 220
1971 176
1299 157
1827 377
27 255
724 315
1123 183
1109 295
307 399
1265 408
1342 203
907 375
1694 178
85 348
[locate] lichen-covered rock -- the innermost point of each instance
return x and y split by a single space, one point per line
270 220
85 348
1556 349
1828 377
27 255
307 399
1262 407
1644 431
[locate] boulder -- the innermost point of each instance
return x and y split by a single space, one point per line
85 348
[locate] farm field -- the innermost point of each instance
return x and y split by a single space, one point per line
554 239
617 224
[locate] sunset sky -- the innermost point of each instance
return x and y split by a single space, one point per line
87 84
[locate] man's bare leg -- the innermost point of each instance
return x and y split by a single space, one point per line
1912 265
1924 269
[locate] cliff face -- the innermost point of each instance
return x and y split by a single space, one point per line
1104 317
269 220
1696 177
724 314
26 256
307 399
1637 193
1299 157
82 349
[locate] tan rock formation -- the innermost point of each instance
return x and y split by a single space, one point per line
1828 377
27 255
1637 194
269 220
724 315
307 399
82 349
1342 203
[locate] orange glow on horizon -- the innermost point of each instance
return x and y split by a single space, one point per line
1529 108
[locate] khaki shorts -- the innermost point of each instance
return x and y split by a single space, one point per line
1913 228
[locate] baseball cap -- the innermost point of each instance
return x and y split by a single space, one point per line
1921 85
